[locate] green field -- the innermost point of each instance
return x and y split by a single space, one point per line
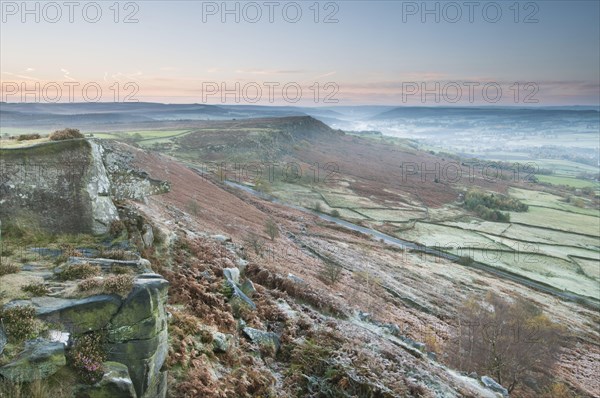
557 219
570 182
349 201
565 168
436 235
553 242
564 275
391 215
545 199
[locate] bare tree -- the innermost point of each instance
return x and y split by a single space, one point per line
271 229
256 243
510 341
332 272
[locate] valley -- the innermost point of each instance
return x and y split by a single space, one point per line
374 243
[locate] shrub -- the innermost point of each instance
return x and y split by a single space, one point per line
68 250
465 260
79 271
121 270
86 357
271 229
66 134
54 387
193 208
312 366
318 207
6 269
116 228
27 137
331 273
256 243
118 284
557 390
37 289
335 213
183 324
227 290
262 186
206 337
90 284
118 254
19 322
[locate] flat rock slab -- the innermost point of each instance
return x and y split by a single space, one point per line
76 315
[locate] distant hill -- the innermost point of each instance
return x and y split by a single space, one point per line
268 138
485 112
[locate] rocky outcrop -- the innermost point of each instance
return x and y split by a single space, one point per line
69 186
138 333
58 185
136 327
98 189
127 181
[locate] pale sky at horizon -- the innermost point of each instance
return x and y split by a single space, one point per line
371 54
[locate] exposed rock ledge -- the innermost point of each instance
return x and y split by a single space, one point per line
137 336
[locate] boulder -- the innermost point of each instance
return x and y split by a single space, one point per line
494 385
39 360
232 274
248 288
238 299
115 383
46 252
263 339
393 329
365 316
221 342
296 279
147 235
419 346
241 263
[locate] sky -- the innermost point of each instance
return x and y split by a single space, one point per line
538 53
